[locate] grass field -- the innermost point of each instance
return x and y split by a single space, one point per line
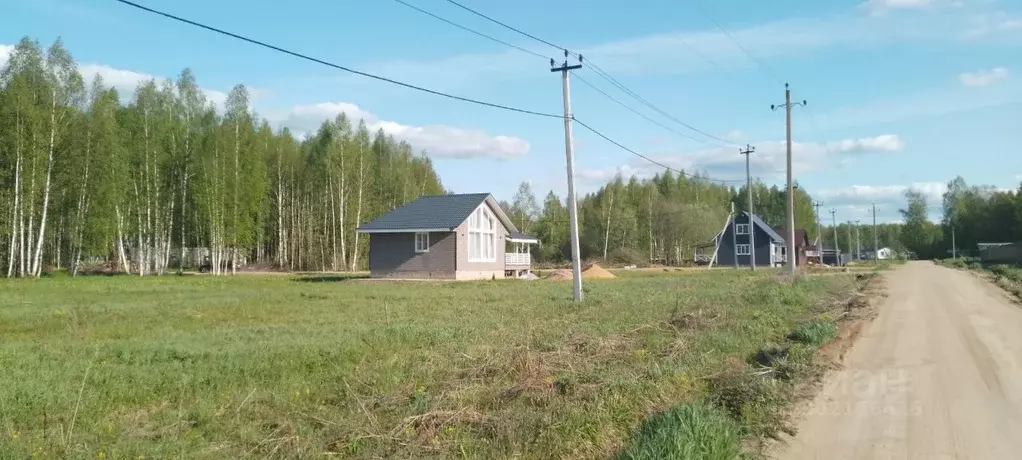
278 367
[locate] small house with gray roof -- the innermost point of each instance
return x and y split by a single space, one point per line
739 235
462 237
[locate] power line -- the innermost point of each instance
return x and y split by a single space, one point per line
472 31
762 65
626 106
470 10
606 76
644 157
335 66
645 102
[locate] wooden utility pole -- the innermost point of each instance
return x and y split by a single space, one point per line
748 185
789 221
576 263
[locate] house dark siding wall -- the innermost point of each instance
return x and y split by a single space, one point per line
392 255
726 253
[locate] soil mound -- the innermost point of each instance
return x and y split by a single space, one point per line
596 272
559 275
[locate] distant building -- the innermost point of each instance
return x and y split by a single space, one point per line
447 237
733 243
879 254
801 244
1000 252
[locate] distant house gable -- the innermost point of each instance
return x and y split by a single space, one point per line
436 213
801 236
759 223
776 237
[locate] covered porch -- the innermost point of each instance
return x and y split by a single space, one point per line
518 254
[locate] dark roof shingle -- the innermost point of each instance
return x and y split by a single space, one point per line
766 228
429 212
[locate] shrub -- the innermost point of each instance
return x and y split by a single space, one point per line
685 432
622 256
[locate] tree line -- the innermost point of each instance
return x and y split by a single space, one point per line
971 214
660 219
164 179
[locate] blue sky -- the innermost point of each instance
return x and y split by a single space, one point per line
901 93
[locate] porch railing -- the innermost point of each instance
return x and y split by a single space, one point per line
517 259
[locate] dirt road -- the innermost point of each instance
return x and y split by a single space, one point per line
937 375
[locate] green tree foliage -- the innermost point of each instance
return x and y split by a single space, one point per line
979 214
161 179
919 235
660 219
770 204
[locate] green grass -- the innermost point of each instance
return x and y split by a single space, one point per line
686 432
815 333
275 367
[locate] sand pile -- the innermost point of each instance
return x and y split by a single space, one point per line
559 275
596 272
588 272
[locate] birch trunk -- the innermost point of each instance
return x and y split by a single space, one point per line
36 264
120 241
333 227
234 229
343 204
606 236
358 209
16 209
28 257
281 250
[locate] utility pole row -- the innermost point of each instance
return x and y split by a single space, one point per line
576 263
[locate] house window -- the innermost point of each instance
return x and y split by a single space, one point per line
742 229
422 242
482 236
743 249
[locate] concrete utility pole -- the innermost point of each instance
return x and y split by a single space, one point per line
876 253
819 236
850 236
954 247
576 263
748 185
858 249
734 232
837 248
790 220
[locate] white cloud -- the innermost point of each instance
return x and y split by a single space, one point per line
993 24
436 140
127 81
5 53
886 194
984 77
856 202
769 161
882 6
670 53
